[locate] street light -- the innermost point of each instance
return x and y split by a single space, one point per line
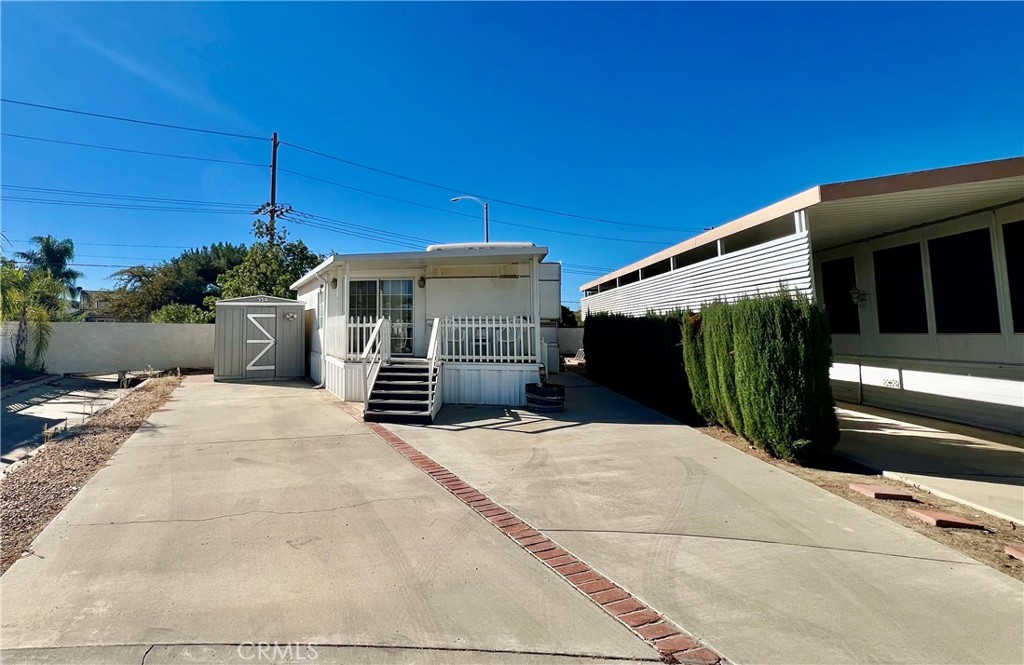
487 222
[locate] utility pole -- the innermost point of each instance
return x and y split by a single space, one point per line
273 191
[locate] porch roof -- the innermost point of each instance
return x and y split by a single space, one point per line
845 212
458 254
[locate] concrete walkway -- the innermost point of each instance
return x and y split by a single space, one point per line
763 566
263 513
67 400
981 469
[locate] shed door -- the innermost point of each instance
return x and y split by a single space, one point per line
260 342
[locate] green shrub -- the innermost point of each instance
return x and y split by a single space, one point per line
718 351
695 365
181 313
641 357
782 358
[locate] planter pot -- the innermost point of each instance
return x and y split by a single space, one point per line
545 398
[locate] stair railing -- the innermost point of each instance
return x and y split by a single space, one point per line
376 353
434 364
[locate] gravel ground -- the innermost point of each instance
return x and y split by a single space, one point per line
985 546
32 493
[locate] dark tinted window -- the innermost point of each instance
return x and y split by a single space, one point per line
899 286
964 283
1013 238
837 278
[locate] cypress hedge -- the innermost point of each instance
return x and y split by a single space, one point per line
641 357
695 365
721 364
783 354
768 358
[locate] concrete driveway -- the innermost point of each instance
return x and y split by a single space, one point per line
981 469
248 514
763 566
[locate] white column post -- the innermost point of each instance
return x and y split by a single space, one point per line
535 292
343 299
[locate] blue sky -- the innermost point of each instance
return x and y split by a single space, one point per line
673 115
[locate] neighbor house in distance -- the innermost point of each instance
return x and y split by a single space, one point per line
922 275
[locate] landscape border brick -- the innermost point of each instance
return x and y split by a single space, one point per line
674 645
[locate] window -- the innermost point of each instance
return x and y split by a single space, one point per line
899 287
837 278
964 283
362 300
320 308
1013 241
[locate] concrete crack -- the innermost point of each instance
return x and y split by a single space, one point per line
249 512
755 540
146 655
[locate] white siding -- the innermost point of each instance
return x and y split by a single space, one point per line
480 383
762 269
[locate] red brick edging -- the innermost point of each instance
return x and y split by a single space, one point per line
652 627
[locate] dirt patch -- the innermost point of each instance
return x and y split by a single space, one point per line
32 493
985 546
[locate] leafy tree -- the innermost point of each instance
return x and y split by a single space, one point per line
569 318
186 279
181 313
54 256
270 267
28 297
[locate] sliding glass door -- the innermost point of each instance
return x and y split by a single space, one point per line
370 299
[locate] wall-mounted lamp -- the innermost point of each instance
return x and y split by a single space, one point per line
421 282
856 295
334 283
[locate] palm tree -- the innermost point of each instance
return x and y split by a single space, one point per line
28 297
54 255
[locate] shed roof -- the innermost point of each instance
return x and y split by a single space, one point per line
265 301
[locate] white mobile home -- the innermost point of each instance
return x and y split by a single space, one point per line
922 275
463 323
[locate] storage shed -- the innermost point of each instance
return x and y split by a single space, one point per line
259 338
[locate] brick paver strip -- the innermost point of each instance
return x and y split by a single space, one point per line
1016 551
645 622
882 492
943 519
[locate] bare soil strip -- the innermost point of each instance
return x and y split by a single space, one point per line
33 492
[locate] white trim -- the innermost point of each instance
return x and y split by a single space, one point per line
269 341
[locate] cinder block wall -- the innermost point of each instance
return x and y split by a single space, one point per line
112 347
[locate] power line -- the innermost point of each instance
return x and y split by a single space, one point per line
464 214
111 244
371 229
586 267
128 197
445 188
122 206
317 225
319 153
89 265
135 120
136 152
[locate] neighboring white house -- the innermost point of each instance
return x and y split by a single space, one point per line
463 323
922 275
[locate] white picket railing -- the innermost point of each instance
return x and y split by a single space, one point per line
360 329
434 365
488 339
350 346
375 355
